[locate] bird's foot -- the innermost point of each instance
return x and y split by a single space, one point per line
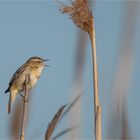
24 98
21 95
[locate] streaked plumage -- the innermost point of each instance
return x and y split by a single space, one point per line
33 67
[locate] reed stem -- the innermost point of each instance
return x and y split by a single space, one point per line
98 128
95 70
25 105
97 113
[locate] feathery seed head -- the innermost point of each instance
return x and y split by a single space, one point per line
80 13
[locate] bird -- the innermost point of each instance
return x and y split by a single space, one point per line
33 68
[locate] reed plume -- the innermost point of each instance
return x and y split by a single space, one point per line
61 113
53 123
82 17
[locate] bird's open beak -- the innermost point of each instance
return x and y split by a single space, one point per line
46 65
46 60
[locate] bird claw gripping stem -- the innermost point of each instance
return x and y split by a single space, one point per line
23 97
26 99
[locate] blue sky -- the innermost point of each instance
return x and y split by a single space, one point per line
37 28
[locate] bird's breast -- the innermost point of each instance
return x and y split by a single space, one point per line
35 75
33 80
37 72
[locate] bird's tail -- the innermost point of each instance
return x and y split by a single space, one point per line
7 90
11 100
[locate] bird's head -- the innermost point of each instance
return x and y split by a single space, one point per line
37 61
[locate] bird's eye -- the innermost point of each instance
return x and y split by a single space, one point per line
38 61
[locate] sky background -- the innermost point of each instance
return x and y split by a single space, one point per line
36 28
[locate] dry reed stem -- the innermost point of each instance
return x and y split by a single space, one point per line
16 121
53 123
25 105
98 123
82 17
96 88
95 69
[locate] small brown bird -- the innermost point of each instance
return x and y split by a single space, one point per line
33 67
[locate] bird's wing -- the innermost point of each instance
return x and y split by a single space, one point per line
17 74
